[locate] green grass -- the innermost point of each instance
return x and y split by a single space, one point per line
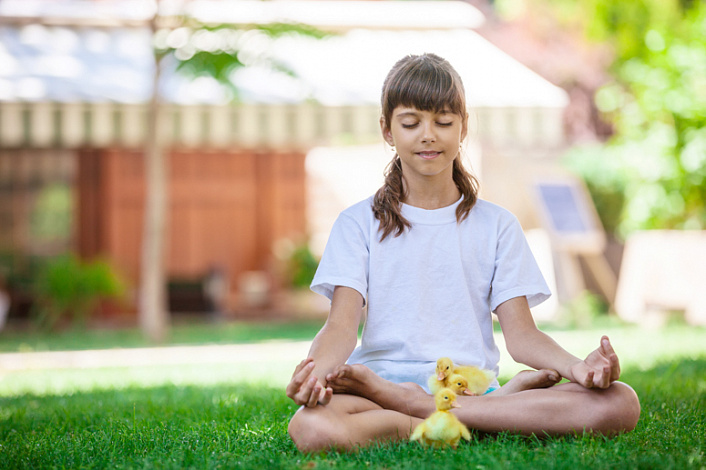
228 416
180 334
243 426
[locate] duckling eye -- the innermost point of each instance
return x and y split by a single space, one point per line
447 367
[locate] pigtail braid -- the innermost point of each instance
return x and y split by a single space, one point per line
387 203
468 186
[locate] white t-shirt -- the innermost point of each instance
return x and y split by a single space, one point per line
430 292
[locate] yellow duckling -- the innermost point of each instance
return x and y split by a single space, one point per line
478 379
458 384
442 427
444 369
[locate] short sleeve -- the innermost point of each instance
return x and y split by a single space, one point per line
516 273
345 260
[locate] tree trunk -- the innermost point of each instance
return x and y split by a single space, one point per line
153 316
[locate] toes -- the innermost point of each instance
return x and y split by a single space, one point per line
343 371
552 375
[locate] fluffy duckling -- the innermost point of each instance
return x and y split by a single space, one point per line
458 384
444 369
478 379
442 427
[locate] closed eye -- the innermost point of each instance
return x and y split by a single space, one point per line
445 124
410 126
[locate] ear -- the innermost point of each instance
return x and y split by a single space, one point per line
386 133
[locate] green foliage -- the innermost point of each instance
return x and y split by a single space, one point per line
217 51
583 311
296 263
245 426
51 217
20 270
657 104
302 265
68 287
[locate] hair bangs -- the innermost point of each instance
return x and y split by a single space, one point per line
426 83
430 90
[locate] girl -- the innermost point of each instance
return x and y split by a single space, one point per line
433 261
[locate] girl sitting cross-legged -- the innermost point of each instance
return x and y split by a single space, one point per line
433 262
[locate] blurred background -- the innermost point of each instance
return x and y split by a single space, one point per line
186 159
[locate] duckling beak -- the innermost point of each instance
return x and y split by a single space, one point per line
469 393
455 405
440 376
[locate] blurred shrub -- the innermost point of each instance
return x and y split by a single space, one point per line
652 172
297 263
302 266
606 179
67 288
583 311
20 270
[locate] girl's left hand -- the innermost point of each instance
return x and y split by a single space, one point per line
599 369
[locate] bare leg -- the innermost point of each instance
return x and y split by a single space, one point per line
561 409
347 422
410 398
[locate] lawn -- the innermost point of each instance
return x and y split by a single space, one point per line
233 423
182 333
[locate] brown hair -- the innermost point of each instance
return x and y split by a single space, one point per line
428 83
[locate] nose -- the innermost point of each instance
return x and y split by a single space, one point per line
428 134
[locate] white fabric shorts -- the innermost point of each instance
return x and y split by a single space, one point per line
409 371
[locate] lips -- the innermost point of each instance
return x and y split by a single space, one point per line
428 155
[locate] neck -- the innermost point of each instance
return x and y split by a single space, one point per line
431 194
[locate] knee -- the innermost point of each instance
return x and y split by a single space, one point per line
620 412
312 431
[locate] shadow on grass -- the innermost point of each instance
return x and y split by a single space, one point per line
195 333
245 426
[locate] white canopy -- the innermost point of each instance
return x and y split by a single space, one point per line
350 69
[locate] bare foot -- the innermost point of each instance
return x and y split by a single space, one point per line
527 380
357 379
354 379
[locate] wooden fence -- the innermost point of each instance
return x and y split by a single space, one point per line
226 209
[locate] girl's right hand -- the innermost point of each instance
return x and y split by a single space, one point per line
305 389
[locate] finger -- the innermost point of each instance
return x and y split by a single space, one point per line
304 373
605 378
301 365
326 396
303 394
609 352
315 393
606 347
589 380
614 367
299 379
